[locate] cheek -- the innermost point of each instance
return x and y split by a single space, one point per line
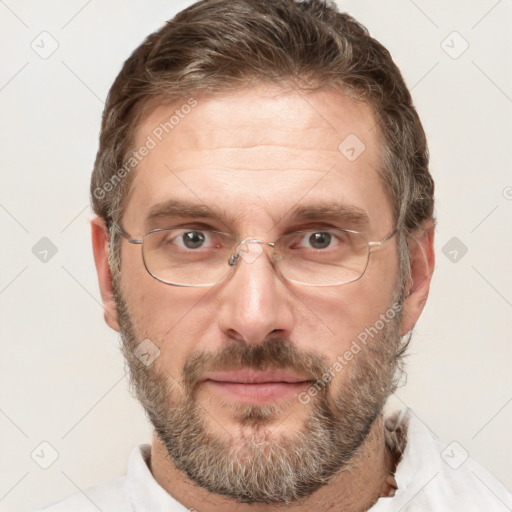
154 307
343 312
176 320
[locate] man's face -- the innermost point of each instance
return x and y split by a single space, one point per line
257 154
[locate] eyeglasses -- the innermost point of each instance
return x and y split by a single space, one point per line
201 257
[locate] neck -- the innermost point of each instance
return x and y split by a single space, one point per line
352 490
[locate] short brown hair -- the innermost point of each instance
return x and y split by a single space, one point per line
220 45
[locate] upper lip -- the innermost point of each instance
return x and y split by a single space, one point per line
252 376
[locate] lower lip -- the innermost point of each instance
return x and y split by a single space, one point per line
256 393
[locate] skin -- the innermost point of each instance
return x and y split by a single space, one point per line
257 153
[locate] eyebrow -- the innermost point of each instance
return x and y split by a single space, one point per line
179 209
352 214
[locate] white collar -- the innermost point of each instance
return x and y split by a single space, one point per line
145 492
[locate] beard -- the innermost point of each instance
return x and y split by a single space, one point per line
261 466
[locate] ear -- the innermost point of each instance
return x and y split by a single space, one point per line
422 258
100 241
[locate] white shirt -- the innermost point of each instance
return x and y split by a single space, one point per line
431 477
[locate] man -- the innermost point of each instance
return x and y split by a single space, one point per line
264 246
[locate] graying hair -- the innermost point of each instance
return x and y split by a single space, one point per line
221 45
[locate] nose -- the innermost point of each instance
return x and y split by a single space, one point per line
255 301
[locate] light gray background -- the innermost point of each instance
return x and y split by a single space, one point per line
62 375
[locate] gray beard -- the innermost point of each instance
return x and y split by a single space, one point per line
266 468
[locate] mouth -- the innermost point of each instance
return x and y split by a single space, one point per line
256 386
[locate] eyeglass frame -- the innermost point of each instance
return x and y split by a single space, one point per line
232 262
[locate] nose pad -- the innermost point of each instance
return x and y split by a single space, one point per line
249 250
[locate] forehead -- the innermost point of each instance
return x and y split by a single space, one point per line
259 152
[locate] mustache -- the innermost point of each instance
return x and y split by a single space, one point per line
272 353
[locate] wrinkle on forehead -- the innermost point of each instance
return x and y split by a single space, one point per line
263 116
292 141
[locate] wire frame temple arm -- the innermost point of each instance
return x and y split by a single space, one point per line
383 241
120 231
